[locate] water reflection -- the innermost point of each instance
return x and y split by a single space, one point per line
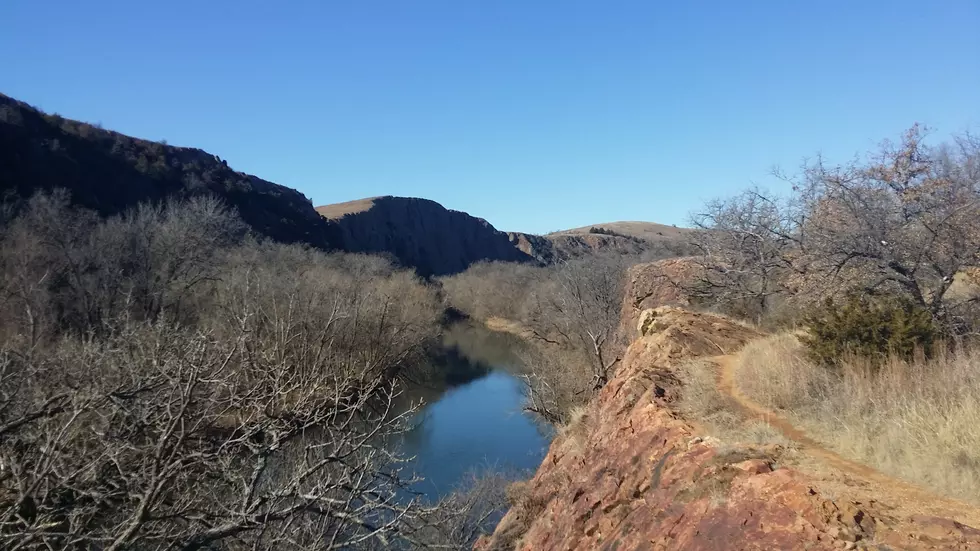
472 418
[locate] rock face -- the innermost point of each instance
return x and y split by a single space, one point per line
655 284
419 233
110 172
631 474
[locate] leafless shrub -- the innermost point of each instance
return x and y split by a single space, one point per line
493 289
744 253
165 384
158 438
556 382
899 221
145 262
570 311
471 511
579 309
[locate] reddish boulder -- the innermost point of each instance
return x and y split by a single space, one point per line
661 283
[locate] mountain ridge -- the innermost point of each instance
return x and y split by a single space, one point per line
110 172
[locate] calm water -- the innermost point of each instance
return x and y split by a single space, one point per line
472 419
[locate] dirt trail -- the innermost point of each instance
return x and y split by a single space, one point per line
907 499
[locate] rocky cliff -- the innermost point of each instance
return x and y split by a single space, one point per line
420 233
658 283
631 473
110 172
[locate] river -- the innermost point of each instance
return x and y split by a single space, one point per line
471 419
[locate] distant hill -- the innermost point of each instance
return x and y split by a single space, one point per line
109 172
420 233
647 231
552 248
634 238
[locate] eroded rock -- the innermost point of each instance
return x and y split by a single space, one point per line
643 478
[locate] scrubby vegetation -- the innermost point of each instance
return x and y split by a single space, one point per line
916 419
570 312
900 222
873 329
168 381
870 268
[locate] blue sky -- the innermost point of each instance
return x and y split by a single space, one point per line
535 115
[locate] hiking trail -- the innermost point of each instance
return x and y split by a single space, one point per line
845 474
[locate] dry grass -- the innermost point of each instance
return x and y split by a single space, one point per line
574 435
919 421
702 402
339 210
649 231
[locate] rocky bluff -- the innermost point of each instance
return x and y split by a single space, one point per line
418 232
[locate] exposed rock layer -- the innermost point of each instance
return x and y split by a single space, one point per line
659 283
632 474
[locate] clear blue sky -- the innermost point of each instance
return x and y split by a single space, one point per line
535 115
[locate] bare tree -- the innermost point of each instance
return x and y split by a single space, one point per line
575 317
169 250
263 421
901 221
155 437
581 307
745 250
472 510
184 441
494 289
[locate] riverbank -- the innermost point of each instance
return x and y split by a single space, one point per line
472 420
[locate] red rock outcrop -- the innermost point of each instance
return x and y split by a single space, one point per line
659 283
632 474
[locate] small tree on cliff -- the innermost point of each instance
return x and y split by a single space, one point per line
578 311
744 250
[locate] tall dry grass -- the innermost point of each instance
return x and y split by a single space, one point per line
916 420
702 401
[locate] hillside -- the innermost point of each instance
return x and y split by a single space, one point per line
631 472
634 238
110 172
418 232
647 231
551 248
